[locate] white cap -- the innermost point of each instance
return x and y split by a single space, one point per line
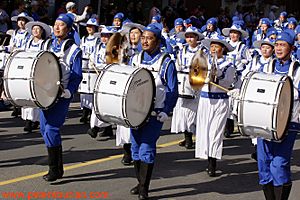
70 5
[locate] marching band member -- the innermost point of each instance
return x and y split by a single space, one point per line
134 47
99 60
88 46
185 111
261 32
210 30
39 32
71 10
144 138
240 56
213 108
117 21
273 157
52 119
18 41
260 63
281 23
292 23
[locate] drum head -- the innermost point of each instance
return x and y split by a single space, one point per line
46 78
285 103
139 98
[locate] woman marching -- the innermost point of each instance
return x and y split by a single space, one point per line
213 108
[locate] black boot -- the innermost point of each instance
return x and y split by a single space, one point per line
269 191
85 115
53 158
35 125
188 140
212 164
182 143
137 164
16 111
145 177
93 132
254 154
60 163
282 192
229 128
108 132
127 159
28 126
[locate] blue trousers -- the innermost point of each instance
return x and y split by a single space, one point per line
273 159
51 120
143 141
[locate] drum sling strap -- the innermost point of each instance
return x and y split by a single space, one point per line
293 66
162 69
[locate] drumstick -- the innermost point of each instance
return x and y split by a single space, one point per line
95 68
4 41
219 86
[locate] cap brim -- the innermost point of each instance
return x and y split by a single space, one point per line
200 35
226 32
46 27
258 43
207 42
15 18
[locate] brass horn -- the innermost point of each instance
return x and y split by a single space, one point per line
114 46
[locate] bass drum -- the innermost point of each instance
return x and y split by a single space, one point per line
124 95
265 105
32 79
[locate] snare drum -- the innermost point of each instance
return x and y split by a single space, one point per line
124 95
32 78
88 81
265 105
184 88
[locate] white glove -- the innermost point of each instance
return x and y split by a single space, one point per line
234 93
207 80
66 94
2 48
244 61
162 117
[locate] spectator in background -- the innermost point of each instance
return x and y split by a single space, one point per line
34 10
154 10
273 9
4 19
71 9
138 15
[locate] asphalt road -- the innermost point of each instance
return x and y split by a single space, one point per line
93 169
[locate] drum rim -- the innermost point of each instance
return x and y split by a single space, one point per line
240 106
60 77
152 104
285 132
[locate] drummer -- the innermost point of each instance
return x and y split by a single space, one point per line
185 111
213 108
260 63
144 139
99 60
52 119
274 158
88 46
134 32
39 32
18 41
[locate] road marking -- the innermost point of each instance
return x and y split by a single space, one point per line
75 166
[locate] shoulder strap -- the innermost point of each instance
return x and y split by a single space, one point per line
293 66
271 66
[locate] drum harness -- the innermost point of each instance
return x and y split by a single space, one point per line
161 70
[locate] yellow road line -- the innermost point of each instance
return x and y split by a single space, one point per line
92 162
